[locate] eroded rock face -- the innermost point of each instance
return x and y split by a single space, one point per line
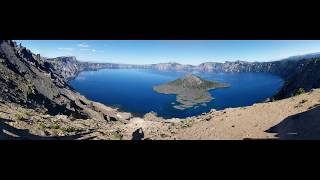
305 75
33 81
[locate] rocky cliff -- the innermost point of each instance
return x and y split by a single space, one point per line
33 92
32 81
297 71
68 67
297 74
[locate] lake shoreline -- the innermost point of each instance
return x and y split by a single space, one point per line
142 91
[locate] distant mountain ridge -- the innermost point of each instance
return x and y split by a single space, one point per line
301 57
295 66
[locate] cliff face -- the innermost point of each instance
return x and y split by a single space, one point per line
68 67
305 74
171 67
64 67
297 74
32 81
296 71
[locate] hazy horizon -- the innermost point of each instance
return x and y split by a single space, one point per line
193 52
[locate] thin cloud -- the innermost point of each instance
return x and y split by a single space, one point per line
88 49
85 49
65 49
83 45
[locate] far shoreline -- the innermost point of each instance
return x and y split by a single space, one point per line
137 114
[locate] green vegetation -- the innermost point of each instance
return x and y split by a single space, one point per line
299 92
117 136
51 126
31 88
54 126
57 126
68 129
164 135
187 123
19 116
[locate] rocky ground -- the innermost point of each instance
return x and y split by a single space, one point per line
37 103
17 122
297 117
292 118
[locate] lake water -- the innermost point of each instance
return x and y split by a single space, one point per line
131 90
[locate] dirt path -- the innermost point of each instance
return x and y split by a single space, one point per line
299 115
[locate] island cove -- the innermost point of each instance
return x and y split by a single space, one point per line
191 90
137 90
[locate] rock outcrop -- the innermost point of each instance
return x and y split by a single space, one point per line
32 81
68 67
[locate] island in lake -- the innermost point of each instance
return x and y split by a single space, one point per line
191 90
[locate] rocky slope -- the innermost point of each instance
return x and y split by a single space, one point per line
37 103
32 81
18 122
292 118
304 74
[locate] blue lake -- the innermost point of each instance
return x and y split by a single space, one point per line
131 90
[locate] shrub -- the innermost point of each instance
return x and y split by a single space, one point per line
54 126
299 91
164 135
68 129
19 116
42 125
117 136
30 89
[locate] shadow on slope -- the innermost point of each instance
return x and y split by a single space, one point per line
22 134
302 126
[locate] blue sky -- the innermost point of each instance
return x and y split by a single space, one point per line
181 51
